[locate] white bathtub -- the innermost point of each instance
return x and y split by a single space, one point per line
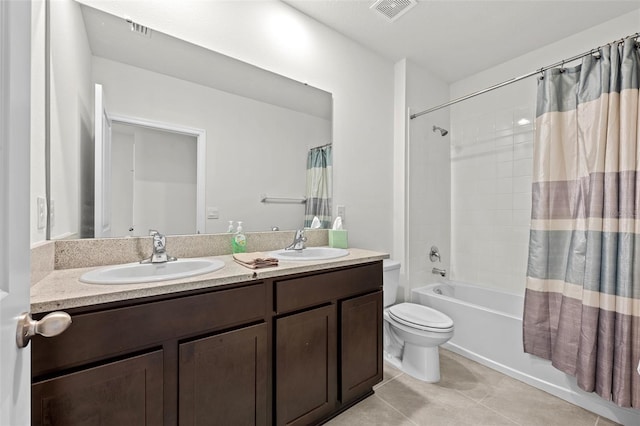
488 329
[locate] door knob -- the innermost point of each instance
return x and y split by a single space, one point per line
49 326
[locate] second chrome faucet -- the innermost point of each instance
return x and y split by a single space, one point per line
298 241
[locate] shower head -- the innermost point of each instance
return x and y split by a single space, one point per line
443 132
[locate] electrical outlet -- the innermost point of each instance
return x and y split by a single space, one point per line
41 206
341 212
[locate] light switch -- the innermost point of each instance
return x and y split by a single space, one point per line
213 213
341 212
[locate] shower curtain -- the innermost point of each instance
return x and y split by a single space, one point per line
582 300
319 186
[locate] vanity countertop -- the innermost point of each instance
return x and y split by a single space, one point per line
61 289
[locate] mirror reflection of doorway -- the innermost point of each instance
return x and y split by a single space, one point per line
154 182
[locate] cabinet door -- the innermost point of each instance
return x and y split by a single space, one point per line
223 379
361 343
306 372
126 392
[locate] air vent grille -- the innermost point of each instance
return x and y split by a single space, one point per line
393 9
139 28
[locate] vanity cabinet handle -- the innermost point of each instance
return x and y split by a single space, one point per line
51 325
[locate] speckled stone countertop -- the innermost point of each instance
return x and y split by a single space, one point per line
61 288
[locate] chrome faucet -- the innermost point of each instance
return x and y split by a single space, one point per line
298 241
439 271
159 254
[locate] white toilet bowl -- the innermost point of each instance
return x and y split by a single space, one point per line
412 332
419 330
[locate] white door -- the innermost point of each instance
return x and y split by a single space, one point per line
15 363
102 200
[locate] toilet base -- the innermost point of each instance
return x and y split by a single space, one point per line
421 362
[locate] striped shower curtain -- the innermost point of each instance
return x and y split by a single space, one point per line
319 186
582 300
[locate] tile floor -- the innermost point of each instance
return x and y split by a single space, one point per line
467 394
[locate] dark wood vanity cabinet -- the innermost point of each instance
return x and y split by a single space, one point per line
223 379
124 392
306 366
196 359
328 333
361 345
291 350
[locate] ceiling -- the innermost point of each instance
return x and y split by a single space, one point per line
455 39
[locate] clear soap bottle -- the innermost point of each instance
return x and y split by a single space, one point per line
239 241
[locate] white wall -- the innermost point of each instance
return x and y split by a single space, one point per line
164 196
421 176
361 83
37 168
71 110
428 177
253 148
491 161
122 166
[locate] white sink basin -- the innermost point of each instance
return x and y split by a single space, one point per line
310 253
132 273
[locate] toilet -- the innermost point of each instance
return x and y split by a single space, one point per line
412 332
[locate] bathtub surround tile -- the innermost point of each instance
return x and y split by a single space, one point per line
468 394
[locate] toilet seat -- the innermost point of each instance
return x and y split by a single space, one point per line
421 317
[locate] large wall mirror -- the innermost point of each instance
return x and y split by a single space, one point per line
148 131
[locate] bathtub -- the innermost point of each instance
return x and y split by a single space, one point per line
488 329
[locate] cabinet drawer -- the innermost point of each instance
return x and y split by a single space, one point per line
113 332
315 289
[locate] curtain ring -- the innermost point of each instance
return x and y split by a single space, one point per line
541 73
562 67
596 54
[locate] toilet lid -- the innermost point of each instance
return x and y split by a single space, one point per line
421 317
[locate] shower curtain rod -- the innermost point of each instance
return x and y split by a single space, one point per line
513 80
321 146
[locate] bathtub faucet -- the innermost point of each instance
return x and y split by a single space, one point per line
439 271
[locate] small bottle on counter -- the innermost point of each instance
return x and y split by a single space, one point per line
239 241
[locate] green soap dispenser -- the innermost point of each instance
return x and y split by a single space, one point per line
239 241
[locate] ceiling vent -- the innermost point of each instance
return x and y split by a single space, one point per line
393 9
139 28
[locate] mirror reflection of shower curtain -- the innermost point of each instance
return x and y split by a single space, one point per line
319 185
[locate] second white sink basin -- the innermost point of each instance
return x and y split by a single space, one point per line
133 273
310 253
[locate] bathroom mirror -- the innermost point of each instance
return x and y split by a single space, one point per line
256 128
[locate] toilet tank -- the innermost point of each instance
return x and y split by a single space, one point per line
390 280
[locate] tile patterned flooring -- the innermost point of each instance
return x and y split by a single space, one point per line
467 394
